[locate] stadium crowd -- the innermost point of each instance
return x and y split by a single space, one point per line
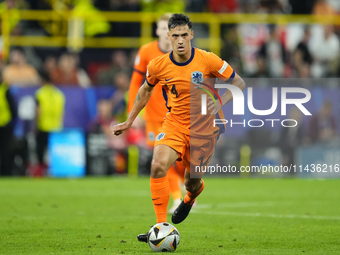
254 51
290 51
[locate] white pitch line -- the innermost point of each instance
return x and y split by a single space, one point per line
241 204
271 215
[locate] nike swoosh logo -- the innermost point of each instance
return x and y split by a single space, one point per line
169 79
153 199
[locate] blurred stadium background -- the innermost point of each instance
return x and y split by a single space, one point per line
87 50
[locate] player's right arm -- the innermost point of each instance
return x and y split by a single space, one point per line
142 98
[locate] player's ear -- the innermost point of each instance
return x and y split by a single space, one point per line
168 33
157 32
192 34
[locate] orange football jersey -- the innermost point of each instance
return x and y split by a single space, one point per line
183 97
155 110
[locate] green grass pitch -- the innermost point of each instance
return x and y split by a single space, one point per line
233 216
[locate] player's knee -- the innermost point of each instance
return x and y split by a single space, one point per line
158 168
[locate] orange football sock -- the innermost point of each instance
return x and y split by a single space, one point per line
190 198
160 194
174 183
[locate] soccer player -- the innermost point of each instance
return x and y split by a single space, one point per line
155 110
176 141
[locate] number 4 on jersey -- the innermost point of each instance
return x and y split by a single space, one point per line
174 91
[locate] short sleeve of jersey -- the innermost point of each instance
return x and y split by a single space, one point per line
140 61
151 78
220 68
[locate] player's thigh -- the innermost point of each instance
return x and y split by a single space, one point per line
163 157
170 146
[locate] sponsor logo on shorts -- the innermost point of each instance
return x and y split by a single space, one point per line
151 136
160 136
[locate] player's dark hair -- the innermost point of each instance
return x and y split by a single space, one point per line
179 19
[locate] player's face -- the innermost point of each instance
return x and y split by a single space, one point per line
180 38
162 30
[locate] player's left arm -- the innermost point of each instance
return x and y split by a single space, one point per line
228 96
221 69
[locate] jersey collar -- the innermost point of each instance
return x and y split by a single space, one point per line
184 63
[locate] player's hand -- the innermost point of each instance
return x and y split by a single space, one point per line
120 128
214 107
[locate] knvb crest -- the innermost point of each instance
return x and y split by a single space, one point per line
197 77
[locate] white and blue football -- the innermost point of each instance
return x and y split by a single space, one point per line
163 237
